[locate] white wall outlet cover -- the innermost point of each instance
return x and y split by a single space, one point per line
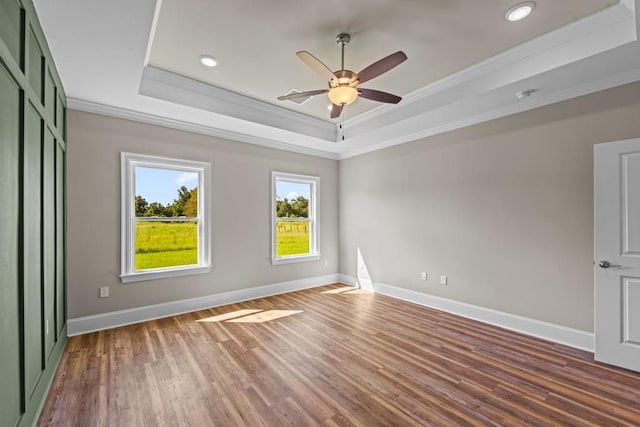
104 292
443 280
423 276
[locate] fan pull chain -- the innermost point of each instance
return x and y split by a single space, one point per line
342 125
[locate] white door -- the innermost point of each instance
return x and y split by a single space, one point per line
617 252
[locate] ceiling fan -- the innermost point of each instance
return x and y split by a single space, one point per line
344 85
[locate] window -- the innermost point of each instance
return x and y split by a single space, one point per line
165 219
294 214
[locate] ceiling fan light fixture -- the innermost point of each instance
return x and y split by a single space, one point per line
520 11
344 85
343 95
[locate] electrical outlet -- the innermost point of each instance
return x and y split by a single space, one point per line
104 292
443 280
423 276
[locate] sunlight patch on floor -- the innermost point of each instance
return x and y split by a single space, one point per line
350 290
231 315
264 316
358 292
250 316
338 290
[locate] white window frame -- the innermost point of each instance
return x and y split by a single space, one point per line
128 163
314 217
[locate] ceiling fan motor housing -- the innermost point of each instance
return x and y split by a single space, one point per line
343 78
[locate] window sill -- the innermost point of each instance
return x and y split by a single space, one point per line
292 259
162 274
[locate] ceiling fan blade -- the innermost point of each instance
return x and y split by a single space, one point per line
302 94
377 95
336 110
380 67
316 65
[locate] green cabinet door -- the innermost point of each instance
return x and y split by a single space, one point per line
10 389
11 27
49 240
35 66
61 310
32 227
32 196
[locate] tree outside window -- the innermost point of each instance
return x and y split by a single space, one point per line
164 217
294 218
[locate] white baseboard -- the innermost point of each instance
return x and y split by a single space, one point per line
83 325
548 331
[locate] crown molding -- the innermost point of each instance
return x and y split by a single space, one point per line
168 86
592 35
137 116
594 53
460 118
457 101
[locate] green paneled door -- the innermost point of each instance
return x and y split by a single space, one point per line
50 96
49 239
32 196
61 310
60 113
10 27
10 401
35 66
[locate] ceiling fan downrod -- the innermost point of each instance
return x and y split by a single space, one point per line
343 40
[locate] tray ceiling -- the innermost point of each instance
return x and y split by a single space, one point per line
255 41
140 60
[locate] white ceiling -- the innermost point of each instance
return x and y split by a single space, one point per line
140 60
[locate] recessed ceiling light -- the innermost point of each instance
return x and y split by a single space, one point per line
520 11
208 60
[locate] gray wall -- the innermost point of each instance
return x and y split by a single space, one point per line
241 188
504 209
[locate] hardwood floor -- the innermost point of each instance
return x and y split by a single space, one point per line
328 357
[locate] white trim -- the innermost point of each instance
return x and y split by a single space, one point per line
114 319
548 331
314 217
589 36
162 84
128 163
152 119
349 280
295 258
459 121
536 328
152 32
142 276
590 50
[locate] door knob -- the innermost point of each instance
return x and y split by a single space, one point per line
607 264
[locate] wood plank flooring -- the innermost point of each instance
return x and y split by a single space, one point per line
331 357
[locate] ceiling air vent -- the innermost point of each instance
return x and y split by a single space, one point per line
298 101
